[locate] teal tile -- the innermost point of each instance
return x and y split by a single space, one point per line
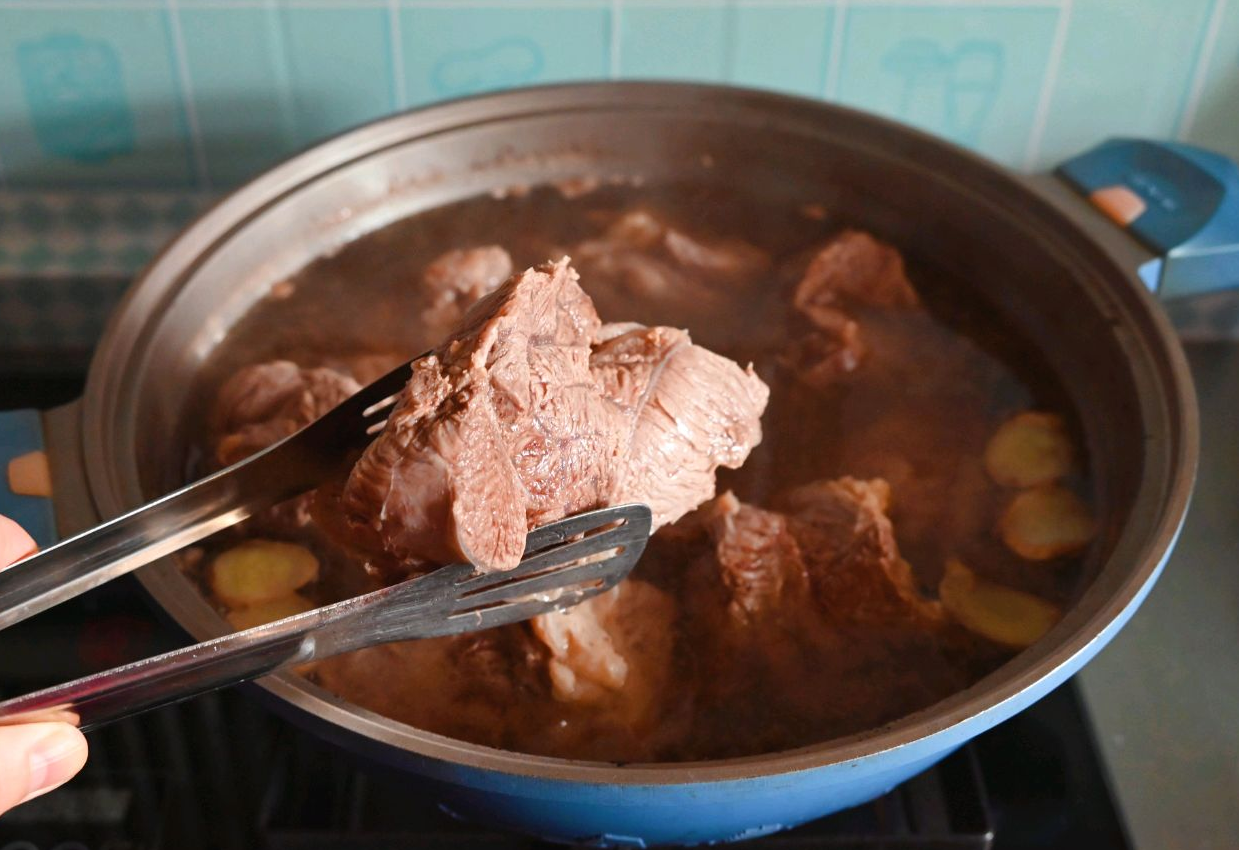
244 108
339 68
971 74
1213 120
450 52
675 42
91 97
1125 70
782 47
268 81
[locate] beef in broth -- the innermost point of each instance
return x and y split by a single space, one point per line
863 563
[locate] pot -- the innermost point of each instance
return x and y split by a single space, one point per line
1041 258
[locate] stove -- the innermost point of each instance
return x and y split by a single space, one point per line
219 772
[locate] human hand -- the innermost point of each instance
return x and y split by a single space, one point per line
34 757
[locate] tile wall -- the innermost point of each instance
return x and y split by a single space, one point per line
200 94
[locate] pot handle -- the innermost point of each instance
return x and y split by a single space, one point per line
1181 202
25 475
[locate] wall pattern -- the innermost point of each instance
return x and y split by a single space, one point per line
200 94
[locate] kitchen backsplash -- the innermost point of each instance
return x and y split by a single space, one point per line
194 96
204 93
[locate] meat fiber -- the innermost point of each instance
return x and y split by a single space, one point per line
534 411
686 411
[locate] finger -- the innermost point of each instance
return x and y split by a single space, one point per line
15 543
37 757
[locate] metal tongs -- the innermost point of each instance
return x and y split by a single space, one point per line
565 563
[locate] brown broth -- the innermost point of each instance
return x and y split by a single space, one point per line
934 386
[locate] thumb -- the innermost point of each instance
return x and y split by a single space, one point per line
37 757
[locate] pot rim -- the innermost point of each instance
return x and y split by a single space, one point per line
114 490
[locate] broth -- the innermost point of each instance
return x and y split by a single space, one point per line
918 412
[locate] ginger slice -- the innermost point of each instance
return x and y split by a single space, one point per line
1029 449
269 612
1046 522
1001 614
260 571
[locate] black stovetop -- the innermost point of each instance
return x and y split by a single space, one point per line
219 772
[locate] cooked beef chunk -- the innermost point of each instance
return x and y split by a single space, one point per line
853 561
819 359
455 281
758 558
852 271
612 655
804 607
643 263
506 427
262 404
829 543
620 639
855 268
687 411
501 427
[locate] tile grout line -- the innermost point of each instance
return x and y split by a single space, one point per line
1048 83
615 40
834 62
281 69
395 37
1201 72
187 93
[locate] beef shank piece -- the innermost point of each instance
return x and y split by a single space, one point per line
641 263
854 268
455 281
611 666
853 560
686 412
850 273
511 393
757 557
262 404
509 425
776 604
829 544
